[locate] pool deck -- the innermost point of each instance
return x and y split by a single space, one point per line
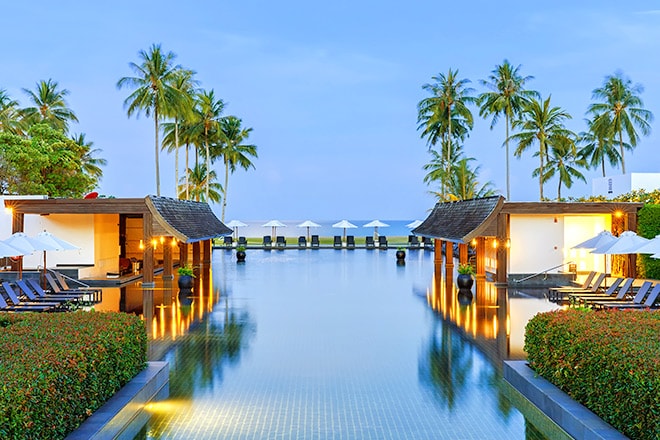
571 416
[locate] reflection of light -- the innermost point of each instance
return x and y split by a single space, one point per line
166 406
141 244
495 244
154 327
495 325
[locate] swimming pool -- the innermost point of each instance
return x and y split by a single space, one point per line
334 344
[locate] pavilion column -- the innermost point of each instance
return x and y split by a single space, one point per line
462 253
449 258
437 244
206 253
481 257
183 254
196 255
148 251
631 259
167 260
501 251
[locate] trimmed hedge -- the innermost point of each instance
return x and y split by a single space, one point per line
607 360
58 368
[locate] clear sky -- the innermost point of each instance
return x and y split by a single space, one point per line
329 88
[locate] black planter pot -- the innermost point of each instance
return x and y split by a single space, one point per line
240 256
464 281
400 255
185 282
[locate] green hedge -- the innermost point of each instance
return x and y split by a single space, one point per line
58 368
607 360
648 226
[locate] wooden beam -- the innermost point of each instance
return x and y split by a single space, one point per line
147 252
502 250
167 259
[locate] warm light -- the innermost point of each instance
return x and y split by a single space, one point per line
162 240
495 243
473 242
507 244
8 210
618 214
173 241
141 245
154 243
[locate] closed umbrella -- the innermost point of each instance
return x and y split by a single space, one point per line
308 224
235 224
375 224
274 224
344 224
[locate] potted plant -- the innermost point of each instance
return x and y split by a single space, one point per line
401 253
240 254
464 279
186 275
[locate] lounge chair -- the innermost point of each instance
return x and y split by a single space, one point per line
369 242
564 292
4 307
617 291
13 297
242 241
315 241
555 293
413 242
93 295
649 303
268 242
33 294
350 242
337 242
228 241
302 242
428 244
382 242
637 300
280 242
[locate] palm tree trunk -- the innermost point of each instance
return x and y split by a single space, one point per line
156 149
541 153
506 151
448 150
208 163
623 162
559 190
176 158
187 174
224 190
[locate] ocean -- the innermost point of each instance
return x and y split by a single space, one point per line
254 228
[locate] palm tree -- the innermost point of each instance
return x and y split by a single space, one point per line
10 117
620 110
543 124
565 159
598 147
464 182
439 170
153 90
445 114
233 151
90 165
49 106
202 186
507 96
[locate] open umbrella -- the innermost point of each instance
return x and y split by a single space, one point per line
274 224
26 245
308 224
602 239
235 224
650 247
413 224
344 224
375 224
7 250
45 241
627 243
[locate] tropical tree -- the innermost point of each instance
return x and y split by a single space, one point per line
10 117
235 153
540 123
201 183
464 182
91 165
508 97
154 92
50 106
565 160
620 111
598 147
445 114
439 170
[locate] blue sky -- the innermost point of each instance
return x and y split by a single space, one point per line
329 88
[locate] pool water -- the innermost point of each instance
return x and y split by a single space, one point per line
333 344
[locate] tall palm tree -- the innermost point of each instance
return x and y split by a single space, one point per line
203 186
49 106
597 147
234 151
620 111
445 114
10 116
90 165
540 123
507 96
563 159
464 183
439 170
153 88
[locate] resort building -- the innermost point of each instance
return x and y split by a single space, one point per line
117 236
526 241
613 186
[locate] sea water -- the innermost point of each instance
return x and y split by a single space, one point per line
255 228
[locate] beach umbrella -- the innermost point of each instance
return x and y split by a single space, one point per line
413 224
7 250
308 224
602 239
274 224
627 243
45 241
375 224
26 245
650 247
344 224
235 224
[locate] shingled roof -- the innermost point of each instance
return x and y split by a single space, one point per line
463 220
186 220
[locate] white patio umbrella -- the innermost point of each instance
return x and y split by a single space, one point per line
235 224
375 224
308 224
48 242
413 224
602 239
26 245
274 224
650 247
344 224
627 243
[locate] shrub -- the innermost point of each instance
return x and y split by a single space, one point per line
58 368
607 360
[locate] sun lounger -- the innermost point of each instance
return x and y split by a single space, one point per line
413 242
40 295
649 303
382 242
337 242
16 301
350 242
315 241
91 294
369 242
4 307
428 244
61 279
228 241
280 242
302 242
268 242
638 299
585 285
617 291
242 241
560 293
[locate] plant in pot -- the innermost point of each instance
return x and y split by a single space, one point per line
240 254
465 273
400 253
186 275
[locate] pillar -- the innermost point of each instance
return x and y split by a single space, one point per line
147 252
167 259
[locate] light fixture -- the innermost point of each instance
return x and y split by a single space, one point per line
173 241
495 243
141 245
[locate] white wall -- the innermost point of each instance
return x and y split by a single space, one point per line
77 229
537 242
613 186
581 228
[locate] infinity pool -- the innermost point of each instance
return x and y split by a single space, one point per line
334 344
